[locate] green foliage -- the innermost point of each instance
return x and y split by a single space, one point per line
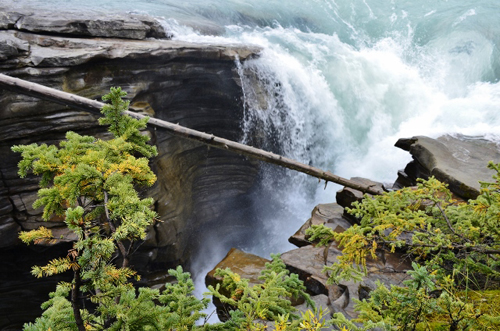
425 303
37 236
58 314
144 309
432 227
266 301
183 307
314 320
320 234
92 183
458 244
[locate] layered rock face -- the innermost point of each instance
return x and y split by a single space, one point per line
194 85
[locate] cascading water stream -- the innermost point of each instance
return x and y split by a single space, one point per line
339 83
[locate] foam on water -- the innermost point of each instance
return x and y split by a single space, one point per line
343 80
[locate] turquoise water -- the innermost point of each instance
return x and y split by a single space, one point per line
350 77
345 79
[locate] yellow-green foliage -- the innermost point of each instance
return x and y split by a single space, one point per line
428 224
92 184
266 301
458 244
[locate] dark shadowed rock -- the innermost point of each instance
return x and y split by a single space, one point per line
195 85
458 161
23 299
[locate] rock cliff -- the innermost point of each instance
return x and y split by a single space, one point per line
195 85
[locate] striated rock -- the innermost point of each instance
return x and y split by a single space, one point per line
459 161
85 24
195 85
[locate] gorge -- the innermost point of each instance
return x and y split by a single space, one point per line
241 92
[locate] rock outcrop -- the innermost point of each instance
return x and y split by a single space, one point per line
309 260
250 266
195 85
246 265
459 161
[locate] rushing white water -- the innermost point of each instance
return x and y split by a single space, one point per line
344 80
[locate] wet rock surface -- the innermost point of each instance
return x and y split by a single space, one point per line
246 265
85 24
331 215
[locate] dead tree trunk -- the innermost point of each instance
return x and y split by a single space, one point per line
75 101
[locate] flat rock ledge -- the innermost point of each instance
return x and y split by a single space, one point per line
85 24
460 161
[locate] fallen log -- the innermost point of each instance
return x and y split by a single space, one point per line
74 101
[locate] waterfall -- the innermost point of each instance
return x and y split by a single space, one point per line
340 82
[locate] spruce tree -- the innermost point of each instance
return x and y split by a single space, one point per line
457 244
92 183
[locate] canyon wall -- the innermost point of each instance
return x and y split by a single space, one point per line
195 85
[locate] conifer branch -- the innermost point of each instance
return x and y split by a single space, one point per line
449 223
112 226
75 294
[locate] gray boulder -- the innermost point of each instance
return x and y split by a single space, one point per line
330 214
459 161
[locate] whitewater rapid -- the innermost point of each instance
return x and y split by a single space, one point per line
343 81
